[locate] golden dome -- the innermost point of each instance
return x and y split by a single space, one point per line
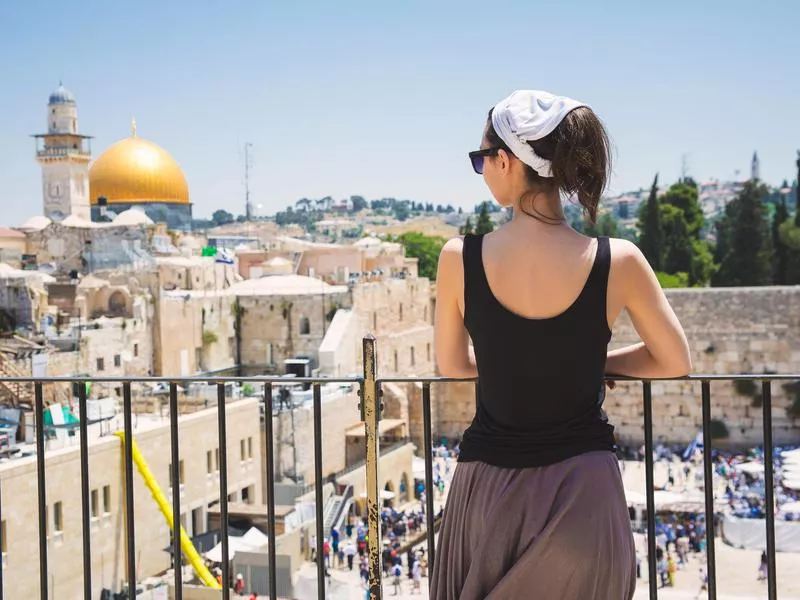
135 170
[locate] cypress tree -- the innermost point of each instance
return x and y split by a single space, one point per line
651 230
484 224
745 242
780 261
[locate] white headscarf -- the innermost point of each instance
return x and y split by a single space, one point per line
528 115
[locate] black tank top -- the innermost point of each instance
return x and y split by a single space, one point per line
541 388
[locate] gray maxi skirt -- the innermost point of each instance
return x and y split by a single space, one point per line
559 532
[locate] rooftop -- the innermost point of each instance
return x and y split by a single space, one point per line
285 285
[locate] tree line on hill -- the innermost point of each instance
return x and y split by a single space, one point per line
753 243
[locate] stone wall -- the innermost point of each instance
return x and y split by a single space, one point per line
730 330
195 332
397 312
278 327
339 413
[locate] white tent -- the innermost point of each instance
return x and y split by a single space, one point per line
256 537
790 507
235 544
751 468
635 498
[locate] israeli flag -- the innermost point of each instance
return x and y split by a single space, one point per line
697 443
224 256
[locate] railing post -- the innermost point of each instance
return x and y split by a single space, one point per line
708 488
652 574
769 488
42 488
370 408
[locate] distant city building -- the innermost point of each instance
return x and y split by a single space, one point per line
137 173
64 156
132 173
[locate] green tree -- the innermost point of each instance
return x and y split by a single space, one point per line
780 260
359 203
484 223
744 241
466 227
789 234
651 231
677 245
425 248
401 211
683 195
221 217
606 226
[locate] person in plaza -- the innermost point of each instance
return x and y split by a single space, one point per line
762 567
239 585
416 576
672 568
538 301
703 583
397 579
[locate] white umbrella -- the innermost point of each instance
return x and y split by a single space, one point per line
790 507
635 498
751 468
235 544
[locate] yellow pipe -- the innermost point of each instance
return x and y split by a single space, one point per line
188 548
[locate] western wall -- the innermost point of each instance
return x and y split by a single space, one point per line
730 330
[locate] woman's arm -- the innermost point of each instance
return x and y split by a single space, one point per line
663 351
453 358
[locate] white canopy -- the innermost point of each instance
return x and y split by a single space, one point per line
635 498
256 537
252 541
751 468
384 494
792 484
790 507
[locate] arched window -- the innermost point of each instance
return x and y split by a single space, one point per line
305 326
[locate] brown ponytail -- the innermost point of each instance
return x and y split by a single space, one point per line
580 153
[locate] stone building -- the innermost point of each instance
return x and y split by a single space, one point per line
84 247
285 316
199 471
195 332
730 330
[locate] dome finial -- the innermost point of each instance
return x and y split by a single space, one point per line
133 127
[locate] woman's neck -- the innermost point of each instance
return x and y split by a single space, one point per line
540 207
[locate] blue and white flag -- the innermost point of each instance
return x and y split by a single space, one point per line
224 256
697 443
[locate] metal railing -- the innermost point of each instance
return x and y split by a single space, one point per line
370 406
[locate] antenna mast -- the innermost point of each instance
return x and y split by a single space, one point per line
248 209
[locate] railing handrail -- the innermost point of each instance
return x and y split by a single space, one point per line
275 379
371 407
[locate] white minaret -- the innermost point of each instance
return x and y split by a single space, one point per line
755 167
64 155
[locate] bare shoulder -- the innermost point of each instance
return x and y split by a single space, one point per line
451 262
452 251
454 245
625 254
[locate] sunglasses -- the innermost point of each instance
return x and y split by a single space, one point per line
476 157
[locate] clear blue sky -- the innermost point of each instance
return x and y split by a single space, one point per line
386 98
